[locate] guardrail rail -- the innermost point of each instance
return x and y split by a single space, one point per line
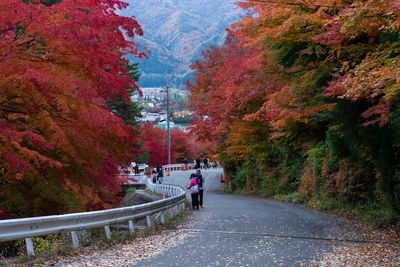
27 228
190 166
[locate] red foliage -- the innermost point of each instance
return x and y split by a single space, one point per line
3 216
58 66
183 145
11 161
155 142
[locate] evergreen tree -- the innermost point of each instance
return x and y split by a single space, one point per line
129 112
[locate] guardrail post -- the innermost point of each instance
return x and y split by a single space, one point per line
75 239
71 224
108 232
29 247
162 218
148 220
131 227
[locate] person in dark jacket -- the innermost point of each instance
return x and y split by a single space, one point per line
136 169
201 182
160 174
197 163
205 160
185 161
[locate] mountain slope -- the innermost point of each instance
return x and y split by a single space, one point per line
176 31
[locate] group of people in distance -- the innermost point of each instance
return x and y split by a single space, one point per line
197 164
158 173
196 188
133 167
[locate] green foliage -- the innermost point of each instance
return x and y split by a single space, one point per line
304 102
53 243
270 186
294 197
180 104
129 194
315 157
129 111
243 176
143 158
369 212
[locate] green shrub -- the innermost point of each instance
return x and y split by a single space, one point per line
294 197
129 193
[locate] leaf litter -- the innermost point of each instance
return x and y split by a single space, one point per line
383 250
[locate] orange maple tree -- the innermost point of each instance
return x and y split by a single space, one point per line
303 96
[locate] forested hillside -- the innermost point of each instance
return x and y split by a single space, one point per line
176 31
303 101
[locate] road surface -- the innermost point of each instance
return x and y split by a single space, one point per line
235 230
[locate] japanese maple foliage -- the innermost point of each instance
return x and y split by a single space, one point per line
59 63
304 95
183 144
155 144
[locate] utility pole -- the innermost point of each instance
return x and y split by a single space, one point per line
169 136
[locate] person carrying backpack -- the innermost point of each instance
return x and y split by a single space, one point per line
200 181
160 174
194 191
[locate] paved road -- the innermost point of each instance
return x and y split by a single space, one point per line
235 230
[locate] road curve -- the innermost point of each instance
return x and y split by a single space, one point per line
234 230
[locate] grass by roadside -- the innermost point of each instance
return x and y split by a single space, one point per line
370 212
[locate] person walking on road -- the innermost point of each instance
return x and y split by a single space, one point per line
205 160
215 165
194 191
160 174
201 182
185 161
197 162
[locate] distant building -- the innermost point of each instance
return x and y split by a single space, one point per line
150 117
163 115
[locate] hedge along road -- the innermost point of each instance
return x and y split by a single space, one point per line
236 230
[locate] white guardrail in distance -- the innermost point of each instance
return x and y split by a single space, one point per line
190 166
15 229
177 167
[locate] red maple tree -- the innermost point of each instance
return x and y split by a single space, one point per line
59 62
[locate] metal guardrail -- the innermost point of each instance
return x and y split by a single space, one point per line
15 229
190 166
177 167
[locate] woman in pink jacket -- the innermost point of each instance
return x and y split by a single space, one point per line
194 191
